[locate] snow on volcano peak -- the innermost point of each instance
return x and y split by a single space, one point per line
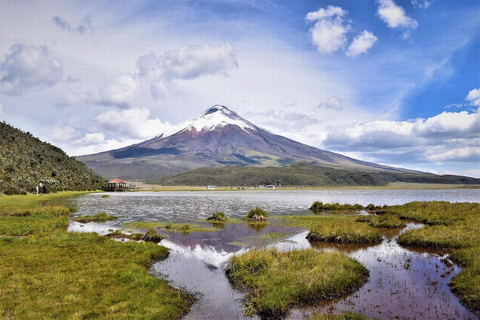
213 118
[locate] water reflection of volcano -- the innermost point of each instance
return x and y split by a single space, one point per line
211 255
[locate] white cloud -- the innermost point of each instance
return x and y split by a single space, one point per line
361 44
150 66
28 67
329 32
395 17
449 136
422 4
98 145
450 124
131 123
184 63
158 90
1 109
190 62
91 139
71 98
82 28
333 103
474 97
121 91
64 134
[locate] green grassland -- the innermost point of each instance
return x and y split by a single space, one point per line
46 272
276 281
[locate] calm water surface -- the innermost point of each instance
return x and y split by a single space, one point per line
194 205
403 284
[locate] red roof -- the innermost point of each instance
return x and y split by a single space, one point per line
117 181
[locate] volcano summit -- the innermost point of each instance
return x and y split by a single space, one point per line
218 137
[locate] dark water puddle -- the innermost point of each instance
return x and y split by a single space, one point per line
403 284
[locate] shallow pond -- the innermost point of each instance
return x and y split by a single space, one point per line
402 284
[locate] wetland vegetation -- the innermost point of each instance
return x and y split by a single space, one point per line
276 281
103 278
47 272
99 217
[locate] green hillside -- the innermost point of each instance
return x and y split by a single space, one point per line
25 161
301 174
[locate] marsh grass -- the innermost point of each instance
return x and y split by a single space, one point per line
50 273
436 212
466 284
277 281
335 229
171 227
387 221
319 207
99 217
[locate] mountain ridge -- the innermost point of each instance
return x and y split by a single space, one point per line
218 137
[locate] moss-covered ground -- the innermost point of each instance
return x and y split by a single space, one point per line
46 272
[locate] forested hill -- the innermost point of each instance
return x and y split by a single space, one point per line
25 161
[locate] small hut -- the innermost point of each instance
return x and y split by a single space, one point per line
116 185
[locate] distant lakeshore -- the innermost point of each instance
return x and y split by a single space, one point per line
142 186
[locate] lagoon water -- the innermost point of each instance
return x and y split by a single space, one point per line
184 206
403 283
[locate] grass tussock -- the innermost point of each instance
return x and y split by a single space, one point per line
50 273
277 281
99 217
217 216
257 214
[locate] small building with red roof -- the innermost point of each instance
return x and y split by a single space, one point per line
116 185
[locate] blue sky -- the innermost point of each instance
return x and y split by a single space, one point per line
395 82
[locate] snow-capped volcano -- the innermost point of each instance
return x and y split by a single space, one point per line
213 118
217 137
